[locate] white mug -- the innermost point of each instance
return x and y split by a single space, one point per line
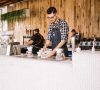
78 49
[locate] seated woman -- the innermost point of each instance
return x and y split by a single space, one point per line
37 41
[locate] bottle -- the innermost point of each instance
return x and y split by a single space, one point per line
93 48
73 43
8 50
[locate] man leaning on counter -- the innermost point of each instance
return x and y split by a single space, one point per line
57 32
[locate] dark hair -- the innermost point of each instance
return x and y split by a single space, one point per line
37 30
73 30
51 10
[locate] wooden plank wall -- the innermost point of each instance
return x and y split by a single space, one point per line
86 17
83 15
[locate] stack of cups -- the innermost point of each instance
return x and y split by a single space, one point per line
29 52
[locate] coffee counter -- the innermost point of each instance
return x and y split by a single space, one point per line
86 70
34 73
21 73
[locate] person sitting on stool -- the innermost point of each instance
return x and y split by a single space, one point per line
37 41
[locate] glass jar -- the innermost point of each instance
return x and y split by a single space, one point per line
59 56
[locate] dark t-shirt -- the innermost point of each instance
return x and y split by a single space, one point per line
38 40
78 38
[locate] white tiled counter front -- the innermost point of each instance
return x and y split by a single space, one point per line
86 70
34 74
19 73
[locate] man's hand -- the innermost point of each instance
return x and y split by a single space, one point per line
58 46
28 42
51 53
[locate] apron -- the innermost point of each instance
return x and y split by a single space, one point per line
56 38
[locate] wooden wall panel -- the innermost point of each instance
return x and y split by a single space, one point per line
83 15
97 17
86 13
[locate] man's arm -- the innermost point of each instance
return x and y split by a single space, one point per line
58 46
48 42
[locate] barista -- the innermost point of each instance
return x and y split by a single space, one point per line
57 32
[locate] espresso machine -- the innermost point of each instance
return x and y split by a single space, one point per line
7 44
